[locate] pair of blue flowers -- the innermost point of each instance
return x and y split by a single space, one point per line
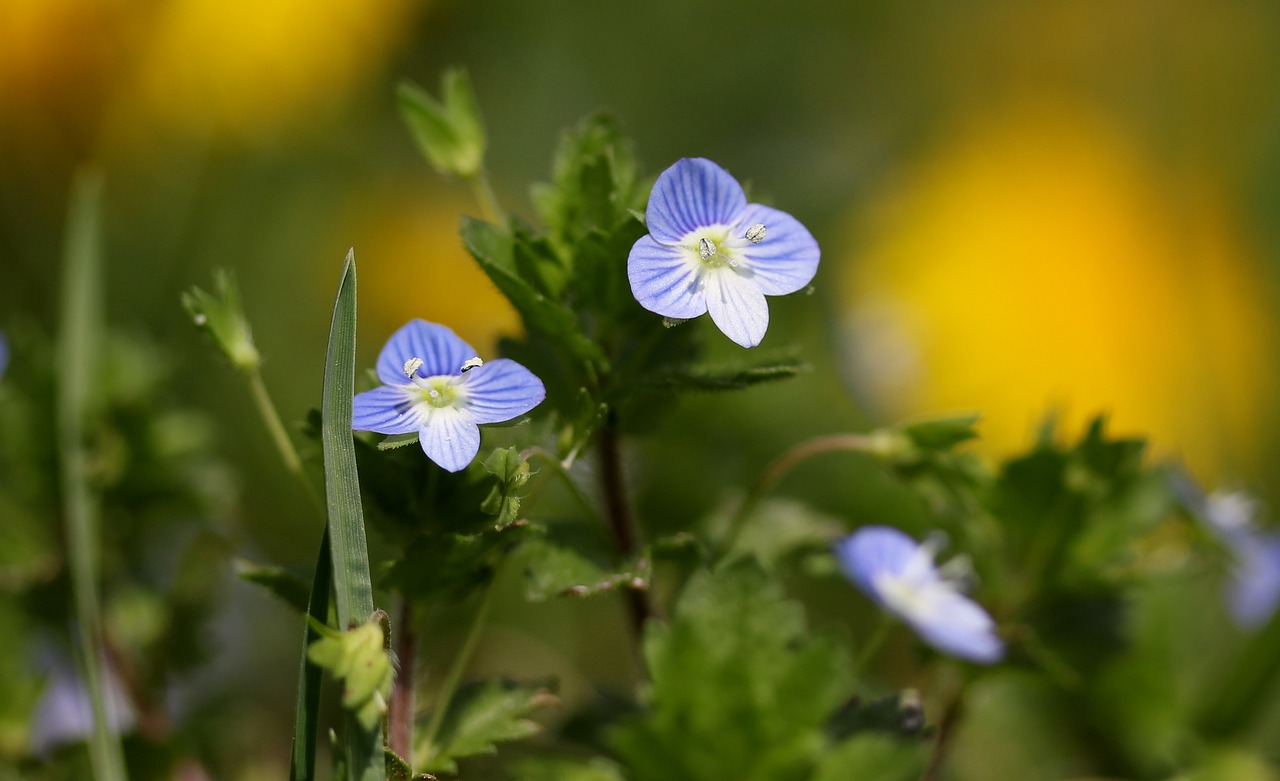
708 251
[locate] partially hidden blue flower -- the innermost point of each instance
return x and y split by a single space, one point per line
437 386
899 574
708 250
1253 590
64 712
4 353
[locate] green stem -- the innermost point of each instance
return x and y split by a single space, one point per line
560 470
873 645
81 324
487 200
784 464
454 677
280 437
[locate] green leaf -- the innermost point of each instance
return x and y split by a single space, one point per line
295 591
595 185
449 566
221 315
512 473
874 757
736 376
941 433
358 658
481 716
555 569
451 134
779 529
79 347
353 589
302 763
738 688
558 769
398 769
398 440
494 250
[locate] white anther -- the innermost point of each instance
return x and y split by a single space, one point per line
411 366
470 364
706 248
756 233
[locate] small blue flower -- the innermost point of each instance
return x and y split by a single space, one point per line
708 250
1253 593
438 387
899 575
4 353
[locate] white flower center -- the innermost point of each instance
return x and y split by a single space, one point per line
715 246
441 390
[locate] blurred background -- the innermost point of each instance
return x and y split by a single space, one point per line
1025 210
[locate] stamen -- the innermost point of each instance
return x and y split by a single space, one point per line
732 263
411 367
706 248
756 233
470 364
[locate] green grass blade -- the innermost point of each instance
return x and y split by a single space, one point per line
353 589
78 348
303 764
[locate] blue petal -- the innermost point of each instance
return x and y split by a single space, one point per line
500 390
1254 592
736 305
665 280
440 349
871 551
387 410
450 438
692 194
4 353
787 259
960 627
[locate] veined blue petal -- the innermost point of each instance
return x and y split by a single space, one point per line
440 349
450 438
736 305
691 194
787 259
501 390
387 410
665 279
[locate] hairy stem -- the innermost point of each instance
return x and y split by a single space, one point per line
621 522
400 710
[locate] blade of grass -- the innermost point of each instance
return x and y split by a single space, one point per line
306 715
353 588
81 325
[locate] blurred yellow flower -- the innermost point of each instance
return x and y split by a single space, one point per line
197 67
1039 265
413 264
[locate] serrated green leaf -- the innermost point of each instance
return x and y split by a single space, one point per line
738 689
512 472
761 368
398 440
481 716
451 134
553 570
494 250
284 584
444 565
780 528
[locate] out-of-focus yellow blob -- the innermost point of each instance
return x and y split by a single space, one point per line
194 67
236 66
413 264
1038 265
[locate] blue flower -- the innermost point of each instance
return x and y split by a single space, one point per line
899 575
438 387
708 250
4 353
1253 592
